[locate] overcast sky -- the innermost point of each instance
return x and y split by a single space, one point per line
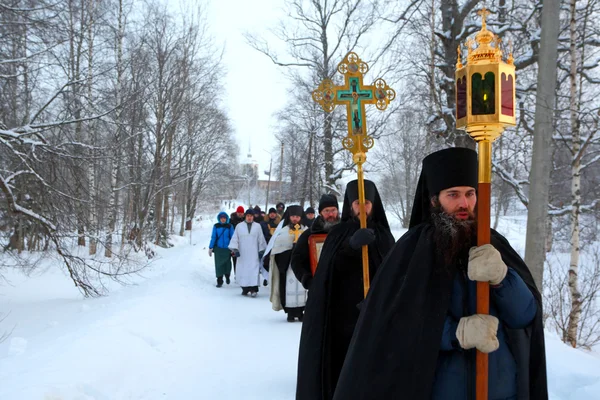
255 87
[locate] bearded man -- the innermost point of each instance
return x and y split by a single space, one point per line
418 328
328 217
286 291
337 290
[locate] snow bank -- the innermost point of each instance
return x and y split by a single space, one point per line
174 335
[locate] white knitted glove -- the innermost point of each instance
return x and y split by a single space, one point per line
478 331
486 265
210 252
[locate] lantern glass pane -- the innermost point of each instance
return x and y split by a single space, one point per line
483 94
508 105
461 97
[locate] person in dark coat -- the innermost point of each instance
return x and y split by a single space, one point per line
336 290
237 216
234 220
309 217
327 219
280 209
418 329
269 224
258 215
222 233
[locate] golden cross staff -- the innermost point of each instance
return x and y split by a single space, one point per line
355 95
485 105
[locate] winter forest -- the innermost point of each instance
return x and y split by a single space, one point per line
114 140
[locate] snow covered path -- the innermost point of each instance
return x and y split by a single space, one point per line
172 336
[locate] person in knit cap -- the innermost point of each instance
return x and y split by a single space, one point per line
270 223
419 329
234 219
280 207
329 216
237 216
219 246
257 214
309 217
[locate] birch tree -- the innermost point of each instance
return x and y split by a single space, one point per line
317 35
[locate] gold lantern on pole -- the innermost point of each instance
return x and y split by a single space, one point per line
485 106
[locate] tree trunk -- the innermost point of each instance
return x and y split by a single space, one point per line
307 182
541 162
75 98
113 202
575 314
93 204
183 213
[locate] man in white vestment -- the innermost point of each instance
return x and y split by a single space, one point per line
248 245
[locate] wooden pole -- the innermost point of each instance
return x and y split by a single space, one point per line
483 237
359 159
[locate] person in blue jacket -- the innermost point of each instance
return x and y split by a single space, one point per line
219 242
419 329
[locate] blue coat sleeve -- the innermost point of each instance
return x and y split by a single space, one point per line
213 238
514 301
449 340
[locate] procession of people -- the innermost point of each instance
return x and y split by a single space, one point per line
416 333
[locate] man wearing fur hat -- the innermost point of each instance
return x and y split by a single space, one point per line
248 245
419 329
287 292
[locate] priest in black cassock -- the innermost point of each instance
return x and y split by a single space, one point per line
337 290
418 328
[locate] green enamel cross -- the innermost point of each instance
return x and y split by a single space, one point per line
354 102
354 94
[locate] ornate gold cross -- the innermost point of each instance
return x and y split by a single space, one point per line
355 95
295 232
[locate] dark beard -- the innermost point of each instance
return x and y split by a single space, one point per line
452 237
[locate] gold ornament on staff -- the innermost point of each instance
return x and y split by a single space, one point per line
354 95
485 106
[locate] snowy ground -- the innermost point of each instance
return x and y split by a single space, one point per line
173 335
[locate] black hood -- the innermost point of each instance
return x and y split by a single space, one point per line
293 210
441 170
371 194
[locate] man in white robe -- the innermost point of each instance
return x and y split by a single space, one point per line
248 245
287 293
